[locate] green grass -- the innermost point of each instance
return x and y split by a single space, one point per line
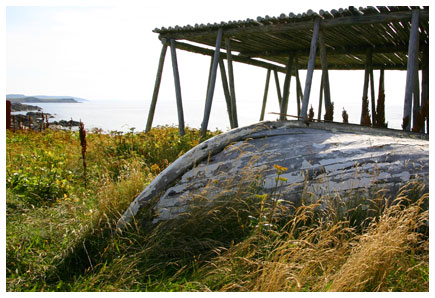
53 222
61 235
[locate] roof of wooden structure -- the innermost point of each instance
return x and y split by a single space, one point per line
348 33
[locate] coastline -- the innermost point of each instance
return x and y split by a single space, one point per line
25 116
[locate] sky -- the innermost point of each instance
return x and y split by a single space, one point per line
109 52
106 50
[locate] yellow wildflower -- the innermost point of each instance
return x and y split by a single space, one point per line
280 168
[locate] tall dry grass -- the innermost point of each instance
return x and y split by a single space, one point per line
234 237
314 249
393 247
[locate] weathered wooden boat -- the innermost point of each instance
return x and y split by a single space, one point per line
320 159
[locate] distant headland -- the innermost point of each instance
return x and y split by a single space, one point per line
21 98
35 118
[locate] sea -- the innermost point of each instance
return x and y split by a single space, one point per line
127 115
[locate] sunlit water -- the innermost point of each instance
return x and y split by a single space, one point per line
125 115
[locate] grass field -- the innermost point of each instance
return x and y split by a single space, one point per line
61 227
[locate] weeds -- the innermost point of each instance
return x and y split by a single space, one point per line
313 252
329 114
61 238
422 116
54 223
82 135
345 116
311 114
380 109
365 114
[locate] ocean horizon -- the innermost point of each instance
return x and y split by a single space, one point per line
127 115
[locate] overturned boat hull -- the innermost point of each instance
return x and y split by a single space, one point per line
316 158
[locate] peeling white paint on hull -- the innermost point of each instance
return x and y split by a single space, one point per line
321 159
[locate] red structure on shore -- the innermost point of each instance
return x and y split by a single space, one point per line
8 114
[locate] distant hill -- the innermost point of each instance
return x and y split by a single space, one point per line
43 98
56 97
8 96
32 99
20 107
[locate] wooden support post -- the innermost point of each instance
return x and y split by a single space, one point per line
425 83
416 91
286 90
278 87
366 83
210 93
319 114
226 90
372 94
156 86
266 90
209 75
381 81
411 69
177 88
325 74
298 86
416 96
231 79
380 105
310 69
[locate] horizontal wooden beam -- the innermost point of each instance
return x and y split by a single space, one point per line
289 27
361 67
329 51
208 52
